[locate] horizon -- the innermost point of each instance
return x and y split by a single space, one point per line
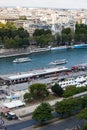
67 4
42 7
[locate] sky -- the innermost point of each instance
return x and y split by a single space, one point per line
74 4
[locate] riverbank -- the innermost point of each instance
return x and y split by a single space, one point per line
18 52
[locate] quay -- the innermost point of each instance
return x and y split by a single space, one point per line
60 72
21 81
32 75
23 52
37 50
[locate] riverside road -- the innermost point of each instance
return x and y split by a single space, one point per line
68 123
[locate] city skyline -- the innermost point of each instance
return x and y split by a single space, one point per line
45 3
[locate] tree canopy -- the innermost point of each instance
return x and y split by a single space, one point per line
57 89
11 37
83 114
42 112
42 37
38 90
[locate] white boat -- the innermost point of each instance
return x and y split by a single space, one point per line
58 48
58 62
20 60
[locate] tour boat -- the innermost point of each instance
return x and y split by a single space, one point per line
20 60
58 62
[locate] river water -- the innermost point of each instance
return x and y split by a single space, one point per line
42 59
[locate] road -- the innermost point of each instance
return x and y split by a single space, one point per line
21 125
59 125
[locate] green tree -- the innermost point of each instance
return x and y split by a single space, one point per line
57 89
27 97
67 107
42 113
10 43
2 25
0 41
22 33
38 91
80 33
66 31
83 114
11 25
66 35
70 91
39 32
22 18
84 127
58 38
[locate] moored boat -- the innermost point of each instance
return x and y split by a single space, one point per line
58 48
20 60
80 46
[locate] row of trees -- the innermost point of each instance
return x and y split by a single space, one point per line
69 91
72 90
64 108
20 37
39 91
67 36
11 37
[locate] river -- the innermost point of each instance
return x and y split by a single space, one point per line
42 59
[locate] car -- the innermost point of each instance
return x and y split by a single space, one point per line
11 116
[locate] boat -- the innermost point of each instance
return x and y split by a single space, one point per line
58 48
80 46
20 60
58 62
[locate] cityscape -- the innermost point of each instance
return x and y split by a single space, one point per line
43 18
43 65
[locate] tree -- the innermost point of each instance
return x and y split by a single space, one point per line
83 114
22 33
39 32
22 17
10 43
42 37
38 91
66 31
84 127
80 33
2 25
58 38
10 25
27 96
66 36
0 41
67 107
70 90
42 113
57 89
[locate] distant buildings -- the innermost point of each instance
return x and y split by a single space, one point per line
43 18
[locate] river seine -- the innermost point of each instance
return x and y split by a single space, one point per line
42 59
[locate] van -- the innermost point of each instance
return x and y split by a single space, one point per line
11 115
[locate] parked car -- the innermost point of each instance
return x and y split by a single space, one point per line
11 115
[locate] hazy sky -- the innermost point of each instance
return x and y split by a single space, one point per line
46 3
